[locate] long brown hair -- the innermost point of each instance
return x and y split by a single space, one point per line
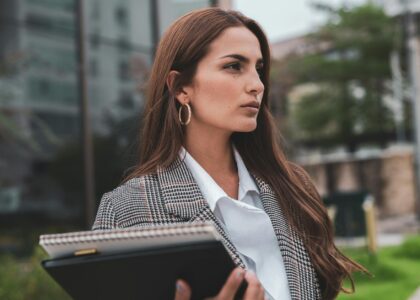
184 44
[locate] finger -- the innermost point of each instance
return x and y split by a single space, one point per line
232 284
254 287
262 294
182 290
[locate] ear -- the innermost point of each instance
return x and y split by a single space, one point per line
181 94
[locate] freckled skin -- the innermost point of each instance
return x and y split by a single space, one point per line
222 84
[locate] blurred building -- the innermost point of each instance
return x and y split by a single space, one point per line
399 7
38 99
41 167
38 55
407 13
298 45
120 40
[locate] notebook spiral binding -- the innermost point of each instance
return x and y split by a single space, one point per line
149 232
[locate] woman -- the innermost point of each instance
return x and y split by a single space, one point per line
209 152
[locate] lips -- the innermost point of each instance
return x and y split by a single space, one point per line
253 104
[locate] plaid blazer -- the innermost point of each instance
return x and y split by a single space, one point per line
172 196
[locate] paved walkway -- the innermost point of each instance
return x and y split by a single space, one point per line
416 295
409 224
383 239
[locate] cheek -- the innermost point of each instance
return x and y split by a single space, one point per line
219 93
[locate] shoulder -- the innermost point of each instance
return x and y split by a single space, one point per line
117 207
133 189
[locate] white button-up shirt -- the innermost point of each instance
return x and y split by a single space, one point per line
247 225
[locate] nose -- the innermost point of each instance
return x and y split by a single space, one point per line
255 85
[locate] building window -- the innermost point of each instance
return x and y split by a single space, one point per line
95 13
93 68
51 25
94 39
121 16
44 87
123 44
124 71
126 100
64 5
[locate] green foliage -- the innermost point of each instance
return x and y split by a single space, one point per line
410 248
361 39
25 279
11 279
320 116
349 62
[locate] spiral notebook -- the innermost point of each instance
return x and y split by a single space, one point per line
138 263
125 240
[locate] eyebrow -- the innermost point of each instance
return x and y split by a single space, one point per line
242 58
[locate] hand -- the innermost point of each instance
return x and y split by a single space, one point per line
255 291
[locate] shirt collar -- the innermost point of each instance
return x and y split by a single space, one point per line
211 191
246 183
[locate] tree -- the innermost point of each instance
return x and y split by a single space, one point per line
347 67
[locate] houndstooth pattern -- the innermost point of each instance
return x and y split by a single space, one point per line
172 196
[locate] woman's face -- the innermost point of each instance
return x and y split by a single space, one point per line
226 91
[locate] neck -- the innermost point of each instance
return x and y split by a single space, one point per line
211 149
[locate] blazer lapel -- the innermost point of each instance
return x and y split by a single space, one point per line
299 270
182 197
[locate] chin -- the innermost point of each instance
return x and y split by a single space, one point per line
246 127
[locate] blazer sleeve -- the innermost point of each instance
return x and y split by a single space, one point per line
105 217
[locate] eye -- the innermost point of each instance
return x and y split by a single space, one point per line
236 66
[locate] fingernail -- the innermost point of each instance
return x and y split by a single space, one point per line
179 287
240 273
250 273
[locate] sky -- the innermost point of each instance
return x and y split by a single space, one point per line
282 19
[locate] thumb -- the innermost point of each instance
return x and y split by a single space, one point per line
182 290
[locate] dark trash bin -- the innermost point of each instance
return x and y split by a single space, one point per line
349 220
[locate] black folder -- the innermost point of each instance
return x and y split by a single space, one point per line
145 274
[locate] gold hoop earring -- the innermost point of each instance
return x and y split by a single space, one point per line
180 114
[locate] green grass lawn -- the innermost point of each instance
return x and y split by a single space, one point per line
396 272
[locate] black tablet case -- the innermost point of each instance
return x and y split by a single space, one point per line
145 274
